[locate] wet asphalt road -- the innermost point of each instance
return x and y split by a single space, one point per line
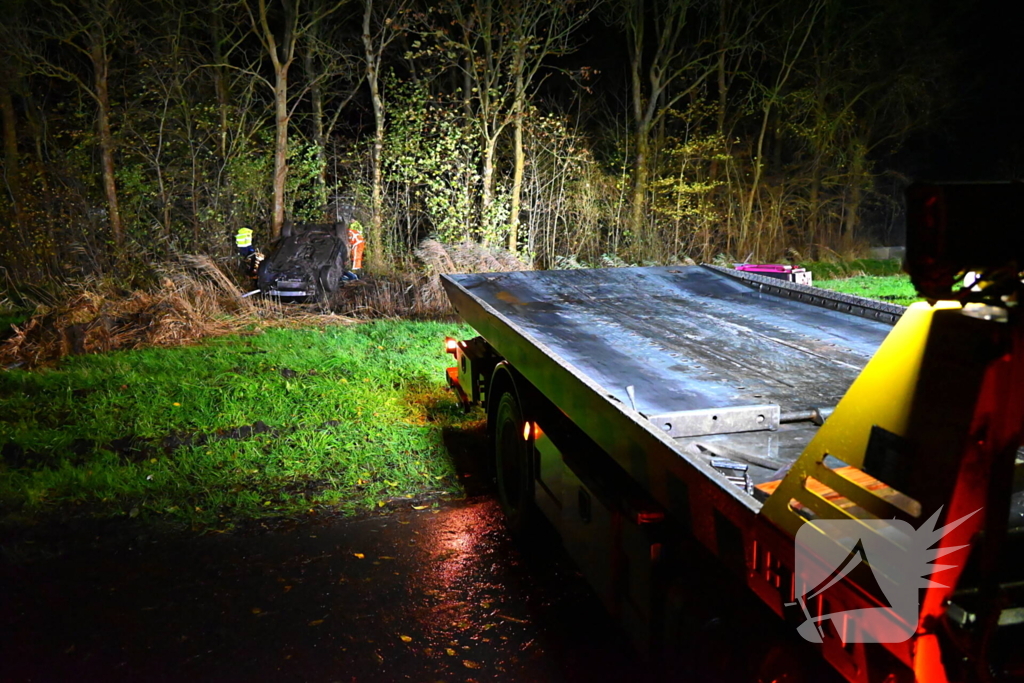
431 595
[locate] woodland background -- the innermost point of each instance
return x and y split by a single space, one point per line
623 131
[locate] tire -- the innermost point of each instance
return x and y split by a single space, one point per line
262 279
513 465
327 283
286 229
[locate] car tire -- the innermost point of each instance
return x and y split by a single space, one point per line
327 282
262 279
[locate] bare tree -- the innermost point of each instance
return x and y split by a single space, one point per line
281 46
91 30
662 71
793 46
330 67
381 26
503 46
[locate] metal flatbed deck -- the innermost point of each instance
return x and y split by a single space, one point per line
685 338
681 339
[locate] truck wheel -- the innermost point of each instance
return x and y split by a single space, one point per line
513 465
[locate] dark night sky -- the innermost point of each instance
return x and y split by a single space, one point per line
983 135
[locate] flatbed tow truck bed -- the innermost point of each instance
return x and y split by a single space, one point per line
662 402
691 342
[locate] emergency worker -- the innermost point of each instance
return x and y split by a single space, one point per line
356 245
250 256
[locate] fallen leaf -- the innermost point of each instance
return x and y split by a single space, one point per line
508 618
386 557
358 556
287 588
257 610
316 622
420 507
450 652
406 639
470 664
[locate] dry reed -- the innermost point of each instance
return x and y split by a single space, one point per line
194 300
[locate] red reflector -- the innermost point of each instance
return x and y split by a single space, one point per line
450 344
649 516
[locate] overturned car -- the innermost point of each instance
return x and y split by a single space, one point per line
309 260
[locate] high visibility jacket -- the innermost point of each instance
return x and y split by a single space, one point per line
244 238
356 244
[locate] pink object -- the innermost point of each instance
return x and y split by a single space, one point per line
782 271
766 268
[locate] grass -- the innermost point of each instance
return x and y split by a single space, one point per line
894 289
275 423
872 279
238 427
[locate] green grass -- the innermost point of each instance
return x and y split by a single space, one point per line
355 418
869 278
894 289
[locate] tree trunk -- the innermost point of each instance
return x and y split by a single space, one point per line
487 201
814 200
282 62
374 251
280 149
722 85
517 184
747 224
10 128
641 170
852 214
101 67
220 85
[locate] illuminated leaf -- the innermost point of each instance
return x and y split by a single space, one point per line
316 622
470 664
406 639
358 555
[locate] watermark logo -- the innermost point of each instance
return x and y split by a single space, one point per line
898 557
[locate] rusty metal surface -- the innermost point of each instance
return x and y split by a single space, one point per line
684 338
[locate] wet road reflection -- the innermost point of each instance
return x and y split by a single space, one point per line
428 595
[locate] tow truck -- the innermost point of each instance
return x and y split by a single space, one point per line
640 411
